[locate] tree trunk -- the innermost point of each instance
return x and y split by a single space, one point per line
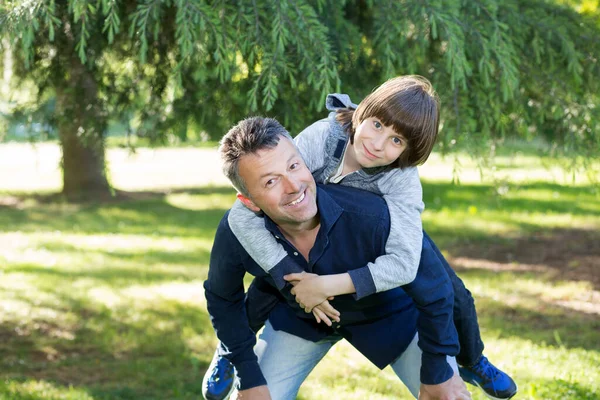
81 126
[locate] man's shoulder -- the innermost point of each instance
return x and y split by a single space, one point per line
224 235
224 223
357 201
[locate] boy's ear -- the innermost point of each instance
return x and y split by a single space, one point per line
248 203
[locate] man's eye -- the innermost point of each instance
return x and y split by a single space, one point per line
294 166
270 182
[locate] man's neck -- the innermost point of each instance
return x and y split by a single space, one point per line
302 236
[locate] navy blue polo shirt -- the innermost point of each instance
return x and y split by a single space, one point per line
354 228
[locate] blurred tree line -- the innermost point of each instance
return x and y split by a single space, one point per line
174 68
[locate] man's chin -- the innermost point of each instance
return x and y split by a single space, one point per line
301 216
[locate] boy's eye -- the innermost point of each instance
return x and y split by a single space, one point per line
377 124
397 141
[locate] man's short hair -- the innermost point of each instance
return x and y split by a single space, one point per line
248 137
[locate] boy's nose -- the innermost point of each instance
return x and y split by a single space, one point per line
378 142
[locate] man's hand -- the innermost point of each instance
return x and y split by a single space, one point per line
309 289
255 393
453 389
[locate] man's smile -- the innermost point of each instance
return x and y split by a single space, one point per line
298 200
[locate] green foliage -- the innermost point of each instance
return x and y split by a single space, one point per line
515 68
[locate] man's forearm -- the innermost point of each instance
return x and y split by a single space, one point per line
224 291
256 393
231 326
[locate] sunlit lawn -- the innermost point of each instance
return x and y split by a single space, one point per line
105 301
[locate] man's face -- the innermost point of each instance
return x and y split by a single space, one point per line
279 184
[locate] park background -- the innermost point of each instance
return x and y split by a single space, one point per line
110 187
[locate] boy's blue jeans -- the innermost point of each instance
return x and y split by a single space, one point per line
261 298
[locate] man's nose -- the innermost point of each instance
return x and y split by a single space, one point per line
292 185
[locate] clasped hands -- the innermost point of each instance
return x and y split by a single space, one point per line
311 294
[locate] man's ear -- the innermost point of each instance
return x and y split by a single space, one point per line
248 203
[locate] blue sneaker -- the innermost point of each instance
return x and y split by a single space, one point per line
219 379
494 383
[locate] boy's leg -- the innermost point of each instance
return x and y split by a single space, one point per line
465 315
475 368
219 378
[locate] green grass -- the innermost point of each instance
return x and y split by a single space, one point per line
105 301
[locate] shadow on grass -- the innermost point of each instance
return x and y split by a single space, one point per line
112 353
191 255
540 322
159 351
115 277
17 200
557 255
144 217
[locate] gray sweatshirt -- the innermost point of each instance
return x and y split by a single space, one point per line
322 145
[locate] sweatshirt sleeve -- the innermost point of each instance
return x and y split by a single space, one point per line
403 194
311 144
259 243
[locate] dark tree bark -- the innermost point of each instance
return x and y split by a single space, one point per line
81 124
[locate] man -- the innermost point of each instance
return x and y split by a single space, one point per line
330 229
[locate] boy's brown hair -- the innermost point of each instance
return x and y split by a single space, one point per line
408 104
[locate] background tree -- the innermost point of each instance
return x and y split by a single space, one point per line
503 69
111 59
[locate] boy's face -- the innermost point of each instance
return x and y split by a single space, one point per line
376 145
279 184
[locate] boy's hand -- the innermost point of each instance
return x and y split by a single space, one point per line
325 312
309 289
